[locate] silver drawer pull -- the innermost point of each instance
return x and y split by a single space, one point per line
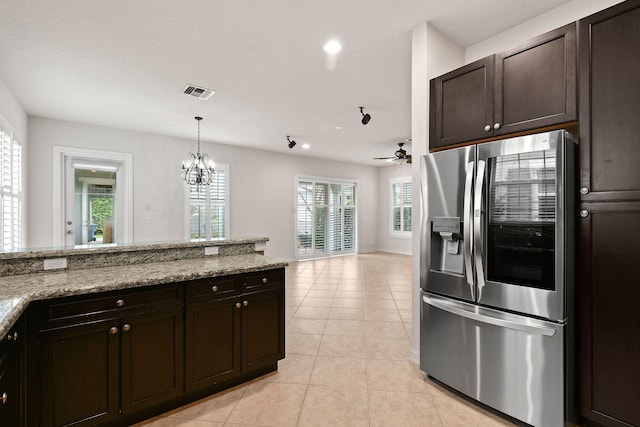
126 327
113 330
214 288
245 303
265 280
120 303
238 305
5 397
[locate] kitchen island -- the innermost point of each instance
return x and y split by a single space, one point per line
122 334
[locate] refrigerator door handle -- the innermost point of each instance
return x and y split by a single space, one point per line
483 315
477 227
467 231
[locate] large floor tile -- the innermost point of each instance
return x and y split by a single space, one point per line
354 328
339 372
387 348
269 404
346 313
390 408
212 408
395 375
302 343
293 369
343 346
374 328
306 326
334 406
312 313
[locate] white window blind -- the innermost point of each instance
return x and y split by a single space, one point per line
401 206
209 207
326 219
11 205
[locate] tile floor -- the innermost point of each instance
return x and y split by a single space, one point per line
348 329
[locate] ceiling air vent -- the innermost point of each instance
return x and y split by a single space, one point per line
198 92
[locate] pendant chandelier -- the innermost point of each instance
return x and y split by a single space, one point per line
198 169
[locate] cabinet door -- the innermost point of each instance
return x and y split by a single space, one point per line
10 397
609 295
212 348
536 83
80 374
609 103
262 328
152 358
461 104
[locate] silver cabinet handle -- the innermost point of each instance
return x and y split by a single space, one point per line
584 190
238 305
496 126
126 327
113 330
265 280
120 303
477 226
584 213
5 397
467 237
245 303
12 337
487 128
214 289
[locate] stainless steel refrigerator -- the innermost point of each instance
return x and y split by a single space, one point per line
497 274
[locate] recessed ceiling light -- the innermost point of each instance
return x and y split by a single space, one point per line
306 146
332 47
339 127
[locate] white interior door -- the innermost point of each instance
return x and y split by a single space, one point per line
92 198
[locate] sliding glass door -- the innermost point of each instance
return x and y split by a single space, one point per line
326 219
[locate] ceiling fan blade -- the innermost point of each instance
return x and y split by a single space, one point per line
383 158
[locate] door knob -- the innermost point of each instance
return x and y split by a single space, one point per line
584 213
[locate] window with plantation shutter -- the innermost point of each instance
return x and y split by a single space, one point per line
401 206
326 218
11 204
208 213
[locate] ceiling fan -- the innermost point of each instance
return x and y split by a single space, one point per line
399 155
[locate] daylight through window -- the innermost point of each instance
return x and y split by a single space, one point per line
11 204
209 207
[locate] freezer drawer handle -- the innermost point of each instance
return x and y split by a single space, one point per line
530 328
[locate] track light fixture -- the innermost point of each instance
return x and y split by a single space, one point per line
365 117
292 143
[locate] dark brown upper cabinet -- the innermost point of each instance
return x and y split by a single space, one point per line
529 87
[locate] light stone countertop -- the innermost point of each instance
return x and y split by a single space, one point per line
16 292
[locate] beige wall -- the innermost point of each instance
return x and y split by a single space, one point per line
262 185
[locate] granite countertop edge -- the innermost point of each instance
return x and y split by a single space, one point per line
17 292
124 248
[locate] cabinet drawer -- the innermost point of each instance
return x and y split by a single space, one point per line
212 288
83 308
263 280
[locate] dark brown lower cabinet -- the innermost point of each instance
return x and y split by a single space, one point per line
11 390
152 363
262 328
609 308
79 374
231 336
212 348
96 372
119 357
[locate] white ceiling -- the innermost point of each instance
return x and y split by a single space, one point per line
124 63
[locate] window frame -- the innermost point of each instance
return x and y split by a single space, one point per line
401 234
208 204
14 191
